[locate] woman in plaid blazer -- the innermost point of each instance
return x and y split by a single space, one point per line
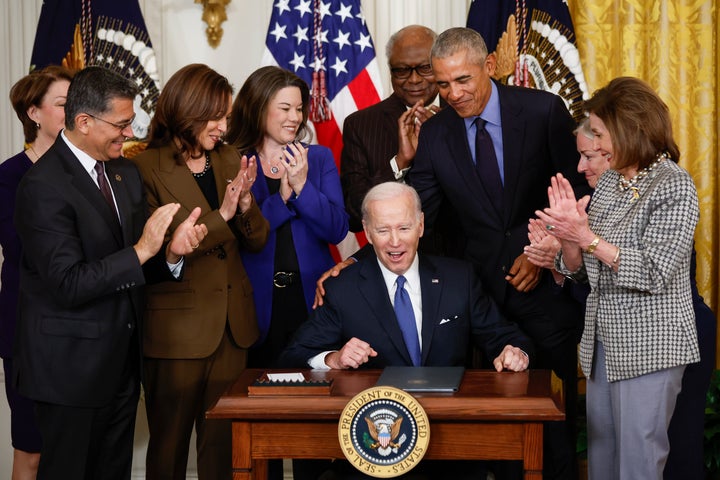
633 247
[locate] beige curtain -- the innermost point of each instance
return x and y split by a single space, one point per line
671 44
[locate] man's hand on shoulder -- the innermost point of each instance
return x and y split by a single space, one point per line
511 358
353 354
333 272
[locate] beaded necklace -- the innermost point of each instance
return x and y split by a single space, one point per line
205 169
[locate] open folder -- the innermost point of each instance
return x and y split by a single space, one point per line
422 379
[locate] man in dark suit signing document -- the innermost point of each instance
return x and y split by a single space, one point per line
401 308
88 247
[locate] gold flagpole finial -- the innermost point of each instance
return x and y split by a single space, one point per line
214 15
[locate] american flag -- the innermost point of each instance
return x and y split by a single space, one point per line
327 44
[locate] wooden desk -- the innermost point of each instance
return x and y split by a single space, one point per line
493 416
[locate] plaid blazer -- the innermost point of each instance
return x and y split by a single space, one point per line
643 314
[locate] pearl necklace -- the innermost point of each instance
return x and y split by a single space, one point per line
631 184
205 169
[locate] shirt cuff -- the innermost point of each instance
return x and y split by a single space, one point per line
399 174
176 268
318 361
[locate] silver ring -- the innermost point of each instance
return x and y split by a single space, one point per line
550 227
251 179
195 247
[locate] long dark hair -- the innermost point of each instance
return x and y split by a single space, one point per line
247 120
193 96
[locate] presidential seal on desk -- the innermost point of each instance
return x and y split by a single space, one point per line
384 432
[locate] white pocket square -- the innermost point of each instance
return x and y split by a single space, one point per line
446 320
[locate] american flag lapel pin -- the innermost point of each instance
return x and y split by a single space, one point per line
434 280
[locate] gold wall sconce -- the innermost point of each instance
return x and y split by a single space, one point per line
214 15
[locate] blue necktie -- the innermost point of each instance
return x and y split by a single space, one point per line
406 320
486 164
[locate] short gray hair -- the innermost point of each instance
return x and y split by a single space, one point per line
584 129
456 39
386 191
404 31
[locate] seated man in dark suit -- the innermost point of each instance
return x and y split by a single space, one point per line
360 321
398 308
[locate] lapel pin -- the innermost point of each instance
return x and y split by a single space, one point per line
434 280
118 177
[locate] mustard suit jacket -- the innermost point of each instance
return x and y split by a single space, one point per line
187 319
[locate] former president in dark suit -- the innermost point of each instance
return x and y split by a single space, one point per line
86 250
491 155
357 324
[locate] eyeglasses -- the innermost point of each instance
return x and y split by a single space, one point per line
401 73
119 126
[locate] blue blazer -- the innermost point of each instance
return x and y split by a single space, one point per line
455 310
317 218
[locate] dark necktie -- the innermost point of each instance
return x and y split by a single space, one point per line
406 320
486 164
104 186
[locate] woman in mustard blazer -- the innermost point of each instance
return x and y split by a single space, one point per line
197 331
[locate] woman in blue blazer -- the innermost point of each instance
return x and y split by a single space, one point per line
298 191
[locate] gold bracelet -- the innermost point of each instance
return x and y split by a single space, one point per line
593 245
617 256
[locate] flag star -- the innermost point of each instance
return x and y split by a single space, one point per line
361 17
121 64
131 71
282 6
550 62
145 92
298 61
301 34
303 7
344 12
324 10
339 66
364 42
557 71
139 81
109 60
317 64
321 36
100 58
278 32
342 39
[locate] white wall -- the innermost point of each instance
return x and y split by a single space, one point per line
178 36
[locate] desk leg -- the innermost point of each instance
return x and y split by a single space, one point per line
241 451
533 451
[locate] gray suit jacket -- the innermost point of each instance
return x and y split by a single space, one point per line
643 314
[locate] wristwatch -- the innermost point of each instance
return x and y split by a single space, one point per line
593 245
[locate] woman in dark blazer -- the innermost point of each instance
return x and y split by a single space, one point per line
197 331
299 192
39 101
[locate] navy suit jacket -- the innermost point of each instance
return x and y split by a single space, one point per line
455 310
537 143
80 304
